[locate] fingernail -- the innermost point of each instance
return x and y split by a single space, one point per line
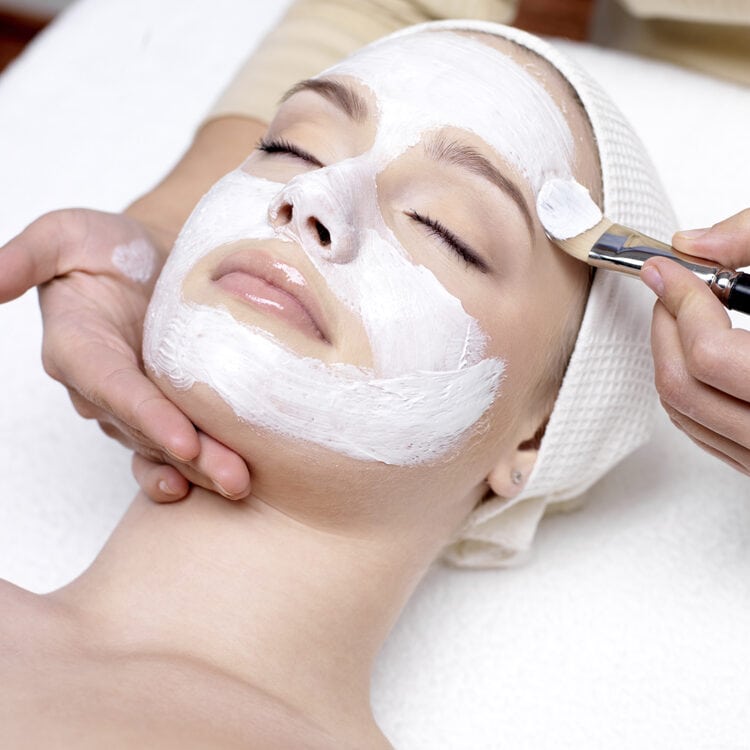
222 491
653 280
165 488
692 234
173 455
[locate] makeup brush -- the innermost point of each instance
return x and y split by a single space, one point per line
566 207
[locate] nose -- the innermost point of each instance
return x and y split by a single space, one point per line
282 216
309 211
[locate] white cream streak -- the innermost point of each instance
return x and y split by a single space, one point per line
431 379
403 420
566 209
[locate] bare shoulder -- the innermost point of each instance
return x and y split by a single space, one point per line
12 597
52 673
23 614
51 676
31 623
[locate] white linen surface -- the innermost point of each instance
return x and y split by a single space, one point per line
629 627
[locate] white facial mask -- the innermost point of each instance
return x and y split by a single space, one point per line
432 80
408 418
431 380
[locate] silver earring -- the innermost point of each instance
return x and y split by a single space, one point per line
516 476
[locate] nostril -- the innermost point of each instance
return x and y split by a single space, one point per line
323 234
284 214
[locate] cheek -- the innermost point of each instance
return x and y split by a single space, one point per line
526 327
520 355
413 322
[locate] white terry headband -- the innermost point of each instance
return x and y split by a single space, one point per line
606 403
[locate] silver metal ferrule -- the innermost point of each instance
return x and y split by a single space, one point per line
624 250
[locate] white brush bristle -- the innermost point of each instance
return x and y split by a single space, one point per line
580 245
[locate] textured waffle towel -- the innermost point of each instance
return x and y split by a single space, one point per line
606 404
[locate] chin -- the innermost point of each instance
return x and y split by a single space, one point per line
307 480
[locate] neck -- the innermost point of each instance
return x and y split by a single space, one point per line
296 611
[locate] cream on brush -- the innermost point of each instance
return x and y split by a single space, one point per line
574 223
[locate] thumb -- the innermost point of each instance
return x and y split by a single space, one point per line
727 242
36 255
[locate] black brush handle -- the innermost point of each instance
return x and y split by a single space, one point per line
739 294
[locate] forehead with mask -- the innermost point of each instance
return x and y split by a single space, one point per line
391 355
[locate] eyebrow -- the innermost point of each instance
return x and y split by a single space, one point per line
345 98
467 157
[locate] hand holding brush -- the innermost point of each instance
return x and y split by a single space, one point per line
702 363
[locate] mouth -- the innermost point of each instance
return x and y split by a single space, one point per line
272 287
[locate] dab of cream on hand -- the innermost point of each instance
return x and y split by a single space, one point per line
136 260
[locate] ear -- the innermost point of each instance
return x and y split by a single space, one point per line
512 471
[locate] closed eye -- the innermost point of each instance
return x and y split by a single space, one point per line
282 146
447 237
436 228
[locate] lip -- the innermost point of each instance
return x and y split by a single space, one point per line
260 280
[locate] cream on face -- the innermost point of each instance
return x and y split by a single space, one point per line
438 79
389 414
431 379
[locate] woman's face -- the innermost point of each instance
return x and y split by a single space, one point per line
372 285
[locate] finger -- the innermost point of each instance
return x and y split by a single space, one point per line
217 468
112 382
226 472
123 435
161 482
84 407
717 445
37 254
679 389
715 353
727 242
112 432
717 454
116 430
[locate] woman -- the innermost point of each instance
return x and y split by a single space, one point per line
369 308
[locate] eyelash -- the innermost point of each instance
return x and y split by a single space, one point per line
282 146
444 234
436 228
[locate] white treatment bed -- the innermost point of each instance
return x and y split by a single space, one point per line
630 625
